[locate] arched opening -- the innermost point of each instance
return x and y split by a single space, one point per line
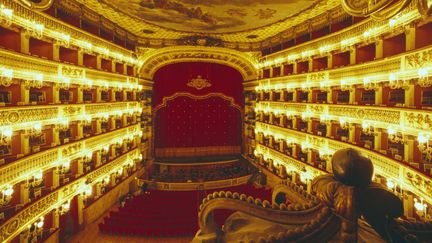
197 109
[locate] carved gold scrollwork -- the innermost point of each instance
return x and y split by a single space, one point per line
41 5
378 10
423 7
5 81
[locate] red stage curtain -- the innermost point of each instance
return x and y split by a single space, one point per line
187 121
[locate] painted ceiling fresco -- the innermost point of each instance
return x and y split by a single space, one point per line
211 16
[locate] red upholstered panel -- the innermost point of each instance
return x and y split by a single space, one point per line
189 121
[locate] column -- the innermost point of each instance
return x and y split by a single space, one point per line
80 57
330 95
98 159
25 94
98 95
409 148
56 93
378 96
352 96
98 62
24 193
379 48
378 139
294 67
410 37
329 60
24 142
25 42
329 128
409 96
353 55
80 94
352 133
56 52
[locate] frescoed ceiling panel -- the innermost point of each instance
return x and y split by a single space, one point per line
230 21
211 16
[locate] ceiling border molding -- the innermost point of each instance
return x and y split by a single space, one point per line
157 58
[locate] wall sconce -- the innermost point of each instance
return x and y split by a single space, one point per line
368 84
305 176
34 29
64 123
305 147
6 16
423 80
62 39
396 83
6 77
6 195
5 136
325 119
40 223
37 179
88 190
64 208
343 123
367 129
344 86
395 136
424 147
64 167
420 207
306 116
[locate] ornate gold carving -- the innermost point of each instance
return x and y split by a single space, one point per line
72 149
418 59
40 5
71 72
420 120
155 59
378 10
200 97
199 83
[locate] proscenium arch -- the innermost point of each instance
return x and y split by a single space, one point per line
155 59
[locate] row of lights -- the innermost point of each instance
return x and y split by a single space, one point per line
39 30
7 131
421 74
7 74
394 132
65 162
367 35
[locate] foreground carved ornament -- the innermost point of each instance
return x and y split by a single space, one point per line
378 10
38 5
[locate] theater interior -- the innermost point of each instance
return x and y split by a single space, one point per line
212 121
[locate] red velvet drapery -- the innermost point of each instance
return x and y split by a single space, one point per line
187 117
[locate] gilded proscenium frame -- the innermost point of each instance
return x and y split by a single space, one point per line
155 59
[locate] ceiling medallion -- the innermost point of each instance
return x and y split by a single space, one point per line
199 83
